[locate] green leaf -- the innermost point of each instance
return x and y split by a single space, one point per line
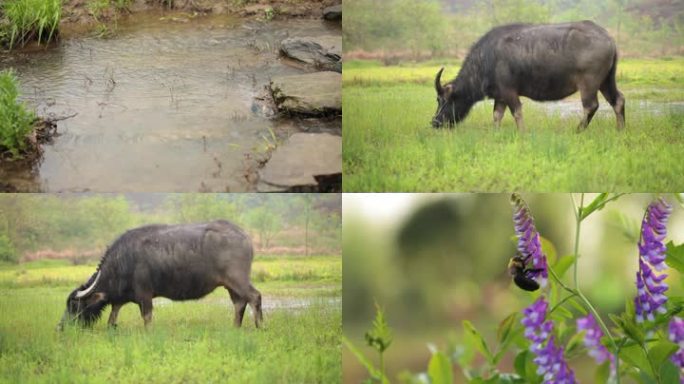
636 357
579 307
562 312
504 331
574 342
372 371
480 343
669 372
549 250
602 373
563 264
661 351
519 363
439 369
598 203
629 327
675 256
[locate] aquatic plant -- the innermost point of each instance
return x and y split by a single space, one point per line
16 122
31 20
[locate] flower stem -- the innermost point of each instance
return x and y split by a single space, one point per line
587 304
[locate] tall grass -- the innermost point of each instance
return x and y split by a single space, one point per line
16 122
32 19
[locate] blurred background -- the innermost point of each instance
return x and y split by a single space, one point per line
396 30
78 227
433 260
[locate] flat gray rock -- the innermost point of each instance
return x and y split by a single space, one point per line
333 13
295 165
314 94
323 52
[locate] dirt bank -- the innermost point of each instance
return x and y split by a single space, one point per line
82 13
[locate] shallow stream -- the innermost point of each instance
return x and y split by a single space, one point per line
165 105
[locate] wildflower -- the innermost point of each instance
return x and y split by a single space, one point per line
677 336
650 286
592 340
529 244
548 356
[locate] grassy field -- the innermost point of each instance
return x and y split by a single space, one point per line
188 342
390 146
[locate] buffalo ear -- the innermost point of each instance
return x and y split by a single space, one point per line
95 298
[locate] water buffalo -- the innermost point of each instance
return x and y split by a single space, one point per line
542 62
179 262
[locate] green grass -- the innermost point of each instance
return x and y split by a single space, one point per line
390 146
191 341
16 122
31 20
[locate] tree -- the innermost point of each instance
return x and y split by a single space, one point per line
266 222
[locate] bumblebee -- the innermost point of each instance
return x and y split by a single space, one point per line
521 274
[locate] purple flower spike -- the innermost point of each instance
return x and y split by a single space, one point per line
592 341
529 244
677 336
651 289
549 356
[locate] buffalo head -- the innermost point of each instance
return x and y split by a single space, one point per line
84 305
452 105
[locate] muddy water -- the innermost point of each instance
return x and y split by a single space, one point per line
165 105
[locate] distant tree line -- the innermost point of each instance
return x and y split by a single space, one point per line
293 223
434 28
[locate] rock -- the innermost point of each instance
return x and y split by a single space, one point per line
302 163
313 94
324 52
333 13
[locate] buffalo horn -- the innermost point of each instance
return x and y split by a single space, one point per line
87 291
438 82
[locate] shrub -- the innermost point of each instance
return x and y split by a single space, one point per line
16 122
7 251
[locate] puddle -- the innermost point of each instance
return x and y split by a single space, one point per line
269 303
163 106
572 107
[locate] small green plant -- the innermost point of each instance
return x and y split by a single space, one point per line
379 337
31 19
97 8
269 13
16 122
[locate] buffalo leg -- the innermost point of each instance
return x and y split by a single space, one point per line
255 303
617 101
499 109
113 315
590 105
146 310
515 106
240 304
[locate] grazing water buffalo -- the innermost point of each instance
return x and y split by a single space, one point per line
542 62
180 262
